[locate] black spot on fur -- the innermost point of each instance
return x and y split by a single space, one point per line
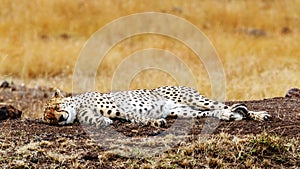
161 108
101 112
84 113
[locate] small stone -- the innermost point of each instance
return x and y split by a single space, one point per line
293 93
8 111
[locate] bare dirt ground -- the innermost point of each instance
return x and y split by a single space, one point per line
25 142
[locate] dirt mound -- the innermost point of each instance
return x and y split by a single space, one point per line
31 143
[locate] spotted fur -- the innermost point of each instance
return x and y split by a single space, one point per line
141 106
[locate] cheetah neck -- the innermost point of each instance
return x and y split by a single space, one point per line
70 104
75 104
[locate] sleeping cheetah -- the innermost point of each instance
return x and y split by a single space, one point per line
141 106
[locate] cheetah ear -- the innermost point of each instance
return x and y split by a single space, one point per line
57 94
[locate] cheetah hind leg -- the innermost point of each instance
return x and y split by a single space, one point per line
241 112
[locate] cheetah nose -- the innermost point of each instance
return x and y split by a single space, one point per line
61 118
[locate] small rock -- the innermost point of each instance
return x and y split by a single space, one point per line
90 156
134 131
286 30
8 111
257 32
177 9
293 93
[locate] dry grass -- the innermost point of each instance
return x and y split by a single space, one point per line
219 151
257 41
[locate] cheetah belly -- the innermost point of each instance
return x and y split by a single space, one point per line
142 105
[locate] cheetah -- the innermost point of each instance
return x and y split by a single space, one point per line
146 107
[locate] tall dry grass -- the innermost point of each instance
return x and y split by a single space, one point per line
257 41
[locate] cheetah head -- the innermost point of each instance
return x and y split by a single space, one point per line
58 110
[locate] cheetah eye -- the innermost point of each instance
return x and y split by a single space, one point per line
55 107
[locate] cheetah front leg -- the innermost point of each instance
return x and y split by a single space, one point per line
241 112
160 122
91 117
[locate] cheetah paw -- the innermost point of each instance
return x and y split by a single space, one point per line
103 122
159 123
227 115
260 115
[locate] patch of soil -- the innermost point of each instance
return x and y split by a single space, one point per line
65 146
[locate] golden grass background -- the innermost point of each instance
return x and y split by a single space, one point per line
257 41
